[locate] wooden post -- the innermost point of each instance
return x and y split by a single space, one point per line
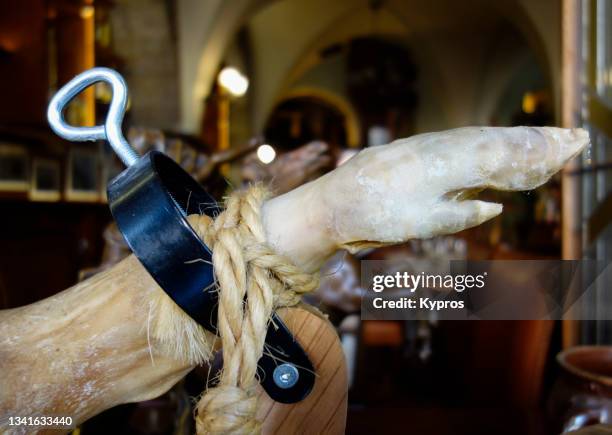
570 112
75 27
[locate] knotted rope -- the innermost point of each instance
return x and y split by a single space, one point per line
253 281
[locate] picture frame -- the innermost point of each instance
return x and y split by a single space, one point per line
14 167
174 149
46 180
83 175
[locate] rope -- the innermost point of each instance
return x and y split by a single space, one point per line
253 281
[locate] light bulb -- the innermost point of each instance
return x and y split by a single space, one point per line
266 154
232 80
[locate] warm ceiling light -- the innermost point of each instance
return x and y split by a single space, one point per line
233 81
529 103
265 153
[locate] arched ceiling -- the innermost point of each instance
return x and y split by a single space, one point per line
451 39
205 29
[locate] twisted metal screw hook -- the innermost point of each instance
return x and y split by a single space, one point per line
111 130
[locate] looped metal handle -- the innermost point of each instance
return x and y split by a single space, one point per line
111 130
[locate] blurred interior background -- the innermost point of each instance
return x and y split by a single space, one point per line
282 91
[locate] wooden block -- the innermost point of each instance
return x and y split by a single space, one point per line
323 411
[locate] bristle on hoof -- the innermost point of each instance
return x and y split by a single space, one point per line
178 335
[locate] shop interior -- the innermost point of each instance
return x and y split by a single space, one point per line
282 92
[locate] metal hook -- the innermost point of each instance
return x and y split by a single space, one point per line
111 130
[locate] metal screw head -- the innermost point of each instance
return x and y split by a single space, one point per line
285 375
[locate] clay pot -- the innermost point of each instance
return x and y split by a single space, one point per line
582 395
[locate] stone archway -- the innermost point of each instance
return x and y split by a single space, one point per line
352 124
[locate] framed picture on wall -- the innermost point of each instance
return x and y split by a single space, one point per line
83 175
174 149
14 168
46 180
